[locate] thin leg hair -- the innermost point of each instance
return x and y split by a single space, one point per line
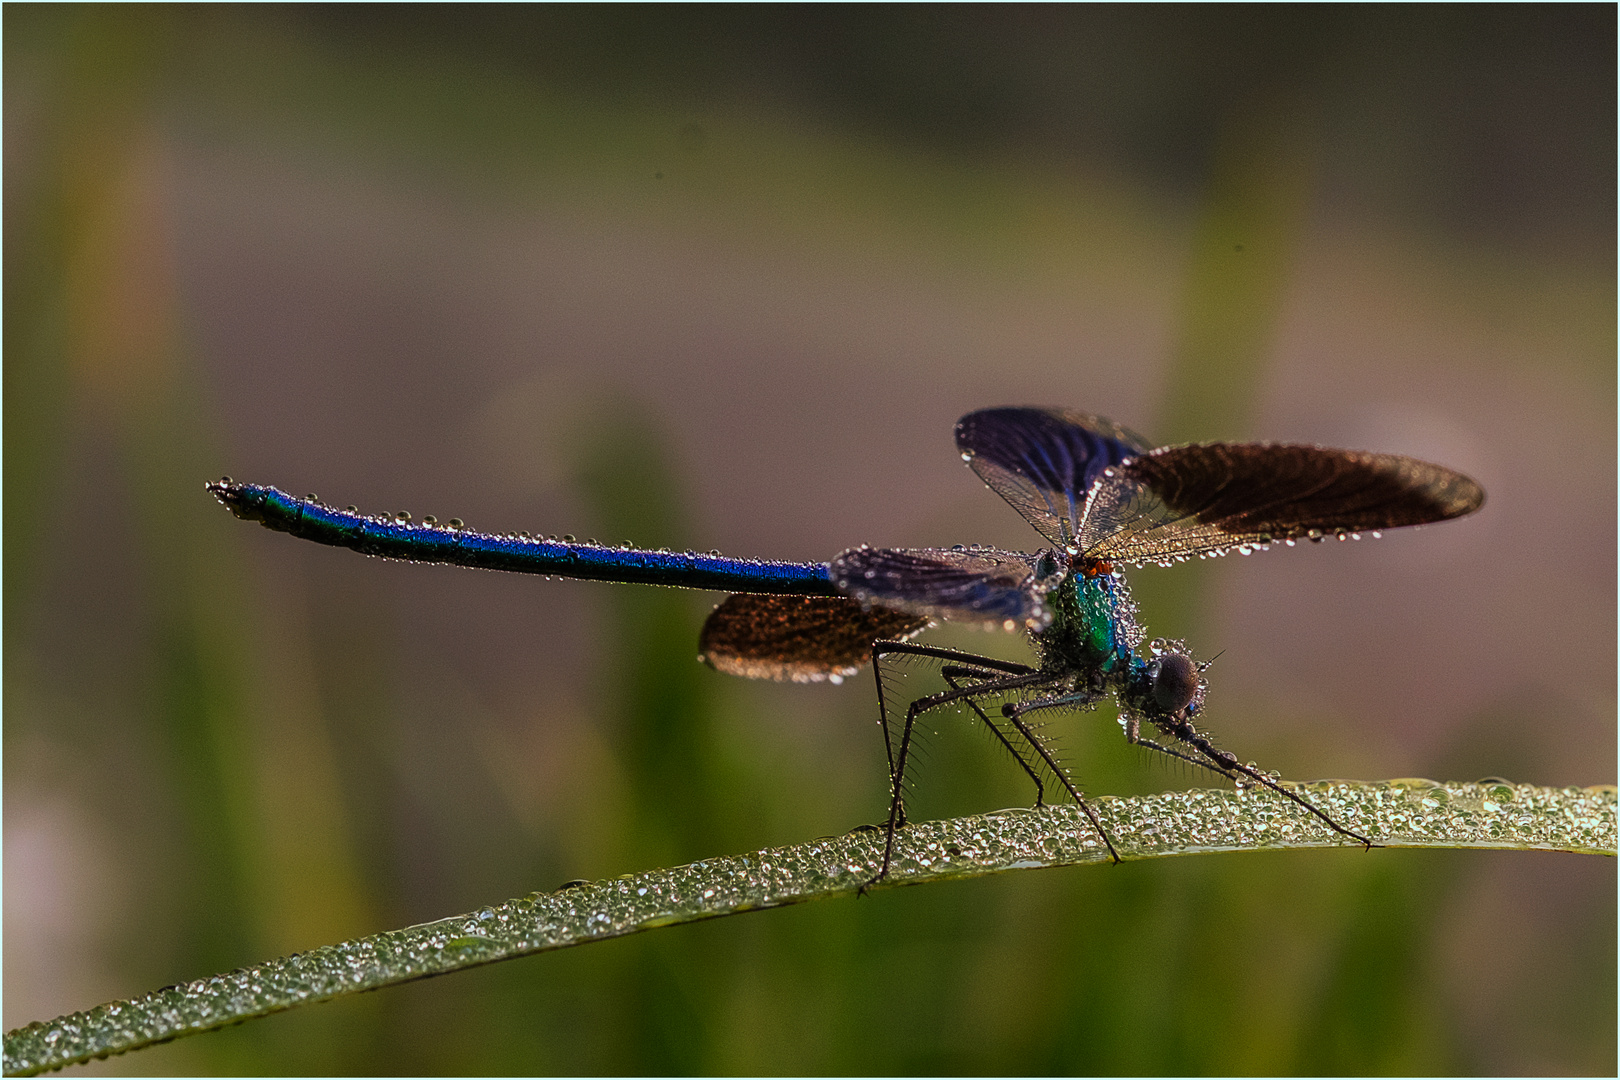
996 677
1223 762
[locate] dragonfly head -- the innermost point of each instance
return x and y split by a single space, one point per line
1168 685
1175 682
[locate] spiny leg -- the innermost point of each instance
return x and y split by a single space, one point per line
881 649
952 674
1228 763
920 706
1014 712
1133 735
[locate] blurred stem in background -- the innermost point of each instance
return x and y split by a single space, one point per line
93 341
1253 212
91 327
1368 991
99 87
663 702
1243 246
653 683
1370 1011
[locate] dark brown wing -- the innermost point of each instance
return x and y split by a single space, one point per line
1209 498
798 638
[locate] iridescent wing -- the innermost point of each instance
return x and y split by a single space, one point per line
1044 461
975 585
798 638
1208 498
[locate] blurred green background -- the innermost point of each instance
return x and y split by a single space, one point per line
725 277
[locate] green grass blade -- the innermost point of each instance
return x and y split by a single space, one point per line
1396 813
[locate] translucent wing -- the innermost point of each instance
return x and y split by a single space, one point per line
975 585
798 638
1209 498
1044 461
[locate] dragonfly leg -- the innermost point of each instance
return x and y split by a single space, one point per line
882 649
1015 712
1133 735
1226 762
1019 676
954 673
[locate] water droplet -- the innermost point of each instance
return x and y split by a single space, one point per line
430 520
568 538
226 480
312 497
456 523
967 455
351 509
1377 534
403 517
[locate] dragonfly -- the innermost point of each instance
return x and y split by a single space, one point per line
1101 496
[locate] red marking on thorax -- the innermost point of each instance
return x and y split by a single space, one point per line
1093 567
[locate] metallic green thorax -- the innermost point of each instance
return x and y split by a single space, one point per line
1093 628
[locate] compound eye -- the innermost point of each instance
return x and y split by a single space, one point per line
1175 682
